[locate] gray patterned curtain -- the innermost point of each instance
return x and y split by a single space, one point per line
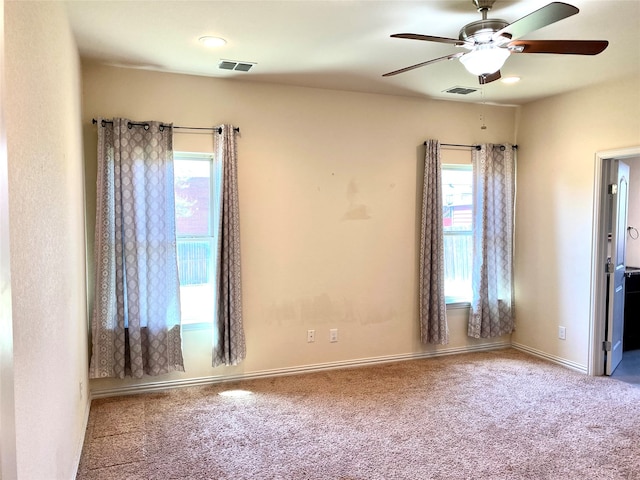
433 313
136 317
491 313
228 341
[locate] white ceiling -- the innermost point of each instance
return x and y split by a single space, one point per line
345 45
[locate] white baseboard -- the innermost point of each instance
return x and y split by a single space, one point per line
552 358
318 367
85 424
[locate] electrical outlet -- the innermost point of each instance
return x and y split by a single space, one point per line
333 335
311 336
562 333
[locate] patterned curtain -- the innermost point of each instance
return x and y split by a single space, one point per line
491 313
136 317
228 342
433 313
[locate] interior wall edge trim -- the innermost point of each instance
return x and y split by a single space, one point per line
80 446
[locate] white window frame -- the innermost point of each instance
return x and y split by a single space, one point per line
210 238
450 300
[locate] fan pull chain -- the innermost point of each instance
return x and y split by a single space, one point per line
483 126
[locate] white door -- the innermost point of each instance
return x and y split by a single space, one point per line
615 313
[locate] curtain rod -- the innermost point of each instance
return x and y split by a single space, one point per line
477 147
146 126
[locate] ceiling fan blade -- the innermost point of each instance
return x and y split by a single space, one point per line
489 77
570 47
418 65
428 38
540 18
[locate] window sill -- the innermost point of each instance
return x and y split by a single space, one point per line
189 327
458 304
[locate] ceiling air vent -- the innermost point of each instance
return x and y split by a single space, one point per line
461 90
232 65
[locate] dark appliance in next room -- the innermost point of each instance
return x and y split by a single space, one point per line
631 338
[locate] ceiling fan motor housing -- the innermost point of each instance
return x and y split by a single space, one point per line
481 31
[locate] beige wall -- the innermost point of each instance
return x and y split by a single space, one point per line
306 158
559 138
8 468
46 215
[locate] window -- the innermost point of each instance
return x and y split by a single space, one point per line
457 202
196 196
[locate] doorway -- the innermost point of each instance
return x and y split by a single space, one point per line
601 329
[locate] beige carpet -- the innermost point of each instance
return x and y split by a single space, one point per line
492 415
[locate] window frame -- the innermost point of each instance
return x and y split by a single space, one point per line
452 301
210 237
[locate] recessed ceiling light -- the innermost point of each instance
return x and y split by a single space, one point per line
212 41
510 80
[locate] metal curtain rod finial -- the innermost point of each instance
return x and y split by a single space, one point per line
146 126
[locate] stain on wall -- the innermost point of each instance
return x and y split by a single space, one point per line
355 210
323 310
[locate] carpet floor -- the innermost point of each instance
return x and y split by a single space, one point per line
488 415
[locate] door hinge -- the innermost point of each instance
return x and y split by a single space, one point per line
606 346
613 188
610 268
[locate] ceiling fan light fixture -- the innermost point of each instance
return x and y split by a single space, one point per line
485 59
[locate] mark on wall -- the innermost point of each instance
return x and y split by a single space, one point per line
323 310
355 210
316 310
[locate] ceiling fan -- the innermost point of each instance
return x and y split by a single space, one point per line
490 41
